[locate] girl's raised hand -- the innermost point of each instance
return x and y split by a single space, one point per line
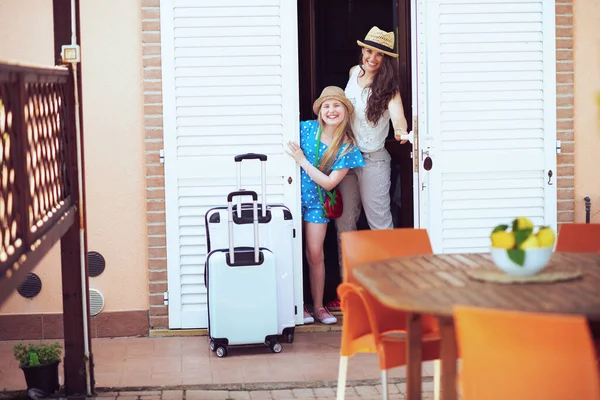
296 152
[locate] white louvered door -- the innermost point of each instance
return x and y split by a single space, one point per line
487 115
230 86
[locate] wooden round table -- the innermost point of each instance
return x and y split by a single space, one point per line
434 284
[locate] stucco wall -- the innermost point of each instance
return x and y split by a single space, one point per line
114 144
586 15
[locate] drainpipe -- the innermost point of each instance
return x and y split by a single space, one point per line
588 208
71 55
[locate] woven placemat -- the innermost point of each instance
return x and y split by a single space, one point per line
542 277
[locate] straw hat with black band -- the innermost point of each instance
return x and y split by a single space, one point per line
333 92
379 40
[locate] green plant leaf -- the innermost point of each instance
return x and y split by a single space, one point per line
515 225
517 256
500 228
522 235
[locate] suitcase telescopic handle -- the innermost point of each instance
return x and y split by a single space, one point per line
230 197
240 193
263 178
250 156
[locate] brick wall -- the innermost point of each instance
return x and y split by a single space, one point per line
154 133
565 111
155 181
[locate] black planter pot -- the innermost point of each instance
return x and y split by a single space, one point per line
43 377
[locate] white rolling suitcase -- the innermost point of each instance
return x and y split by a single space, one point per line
242 291
276 232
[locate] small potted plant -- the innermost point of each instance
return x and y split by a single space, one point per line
39 362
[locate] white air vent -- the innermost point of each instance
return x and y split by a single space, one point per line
96 302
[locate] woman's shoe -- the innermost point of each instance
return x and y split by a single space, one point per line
334 305
308 319
324 316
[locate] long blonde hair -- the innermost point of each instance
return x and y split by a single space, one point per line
343 134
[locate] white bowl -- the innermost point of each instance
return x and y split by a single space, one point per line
536 260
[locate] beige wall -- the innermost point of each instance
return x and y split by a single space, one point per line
26 31
114 145
586 14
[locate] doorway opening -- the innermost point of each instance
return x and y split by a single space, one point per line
327 34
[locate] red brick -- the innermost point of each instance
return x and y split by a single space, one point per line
155 276
158 287
148 26
564 194
565 182
155 182
153 121
568 135
155 99
150 13
564 89
564 125
157 229
564 20
152 62
151 37
157 241
154 145
155 206
564 159
564 77
564 54
151 87
153 110
152 158
567 148
566 170
154 73
156 216
157 264
154 133
564 8
159 310
155 171
562 43
155 194
563 113
156 300
150 3
566 206
566 216
564 66
564 101
157 322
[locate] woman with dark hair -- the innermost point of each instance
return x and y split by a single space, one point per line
374 90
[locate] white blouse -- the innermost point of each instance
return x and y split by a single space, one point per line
369 137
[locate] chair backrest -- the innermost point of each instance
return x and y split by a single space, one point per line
359 247
517 355
579 238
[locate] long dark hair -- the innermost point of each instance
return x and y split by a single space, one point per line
385 85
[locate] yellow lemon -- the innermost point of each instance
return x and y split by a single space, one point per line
524 223
503 240
546 237
530 243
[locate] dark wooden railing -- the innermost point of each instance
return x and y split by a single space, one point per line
37 146
39 199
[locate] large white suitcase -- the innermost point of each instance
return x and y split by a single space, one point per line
276 232
242 291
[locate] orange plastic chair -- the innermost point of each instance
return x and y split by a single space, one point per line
517 355
579 238
369 326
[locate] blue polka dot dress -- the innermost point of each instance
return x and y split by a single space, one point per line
311 207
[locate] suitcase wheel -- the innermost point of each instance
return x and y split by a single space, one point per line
289 337
276 347
212 345
222 351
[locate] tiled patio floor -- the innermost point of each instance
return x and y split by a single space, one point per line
187 362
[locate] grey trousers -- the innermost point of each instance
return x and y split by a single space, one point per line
368 186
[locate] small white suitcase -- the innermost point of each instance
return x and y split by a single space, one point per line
242 291
276 232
